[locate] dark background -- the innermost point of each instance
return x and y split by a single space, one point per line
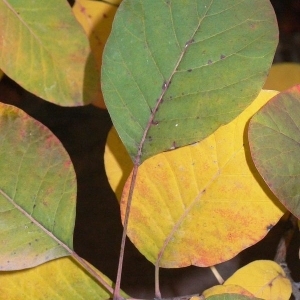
83 132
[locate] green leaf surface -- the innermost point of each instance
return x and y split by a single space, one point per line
174 71
45 50
37 193
274 137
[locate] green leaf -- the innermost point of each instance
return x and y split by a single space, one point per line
37 193
274 137
174 71
45 50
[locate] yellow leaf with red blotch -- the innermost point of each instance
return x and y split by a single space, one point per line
58 279
283 76
226 289
202 204
264 279
96 19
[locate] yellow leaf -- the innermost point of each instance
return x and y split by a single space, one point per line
96 19
283 76
117 161
226 289
264 279
202 204
58 279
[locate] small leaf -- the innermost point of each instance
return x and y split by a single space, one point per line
274 137
222 289
37 193
283 76
96 19
201 197
264 279
59 279
173 73
45 50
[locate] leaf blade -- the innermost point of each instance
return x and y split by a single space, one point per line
38 196
274 143
178 86
36 53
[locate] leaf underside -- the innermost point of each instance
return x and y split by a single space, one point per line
174 71
45 50
37 192
274 136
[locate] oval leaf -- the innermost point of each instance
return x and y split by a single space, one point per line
37 193
212 197
274 137
222 289
59 279
231 297
173 73
264 279
44 49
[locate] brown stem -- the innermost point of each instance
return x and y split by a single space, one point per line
125 225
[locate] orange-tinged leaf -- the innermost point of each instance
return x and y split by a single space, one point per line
226 289
264 279
96 19
283 76
118 163
204 203
59 279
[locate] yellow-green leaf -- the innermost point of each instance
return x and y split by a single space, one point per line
223 289
59 279
204 203
44 49
264 279
283 76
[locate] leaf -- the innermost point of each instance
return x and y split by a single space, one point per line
274 137
201 197
283 76
225 289
59 279
173 73
231 297
264 279
118 164
96 19
37 193
45 50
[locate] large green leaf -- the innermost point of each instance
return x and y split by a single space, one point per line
274 137
37 193
44 49
174 71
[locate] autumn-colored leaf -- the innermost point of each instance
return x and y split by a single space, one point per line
96 19
264 279
37 192
173 73
118 164
226 289
204 203
44 49
59 279
283 76
274 136
231 297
